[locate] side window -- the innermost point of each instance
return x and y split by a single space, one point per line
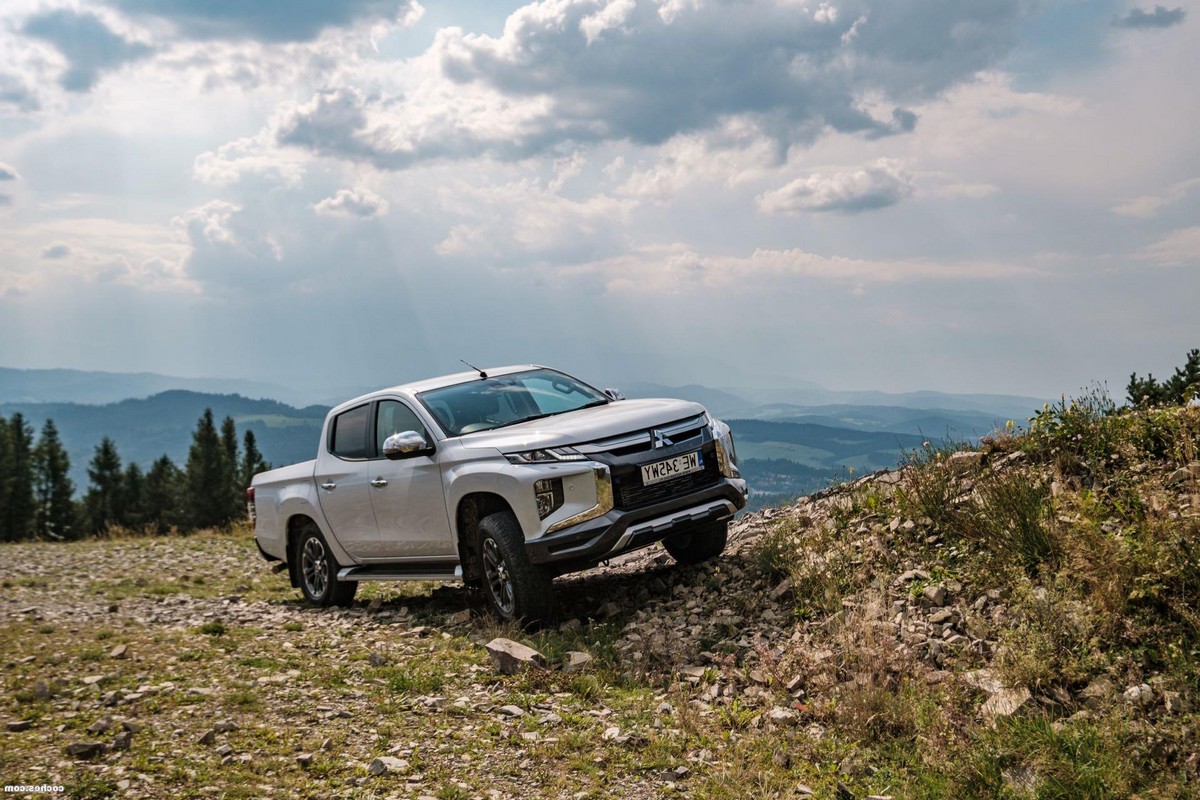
349 439
395 417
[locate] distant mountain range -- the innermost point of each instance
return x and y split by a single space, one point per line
790 441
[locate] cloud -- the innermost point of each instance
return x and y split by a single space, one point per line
867 188
89 45
16 93
1160 17
269 20
8 173
577 72
1177 249
56 251
1148 206
5 200
361 203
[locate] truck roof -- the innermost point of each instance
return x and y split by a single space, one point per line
426 384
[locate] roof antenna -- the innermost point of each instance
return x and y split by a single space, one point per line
482 374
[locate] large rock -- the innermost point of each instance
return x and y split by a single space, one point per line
576 661
511 657
86 750
386 764
1005 703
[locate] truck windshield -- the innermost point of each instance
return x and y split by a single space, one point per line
508 400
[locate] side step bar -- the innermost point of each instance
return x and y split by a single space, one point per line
401 572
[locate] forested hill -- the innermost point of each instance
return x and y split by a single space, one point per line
145 429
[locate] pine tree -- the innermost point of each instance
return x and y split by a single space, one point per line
234 503
133 483
1179 389
103 502
6 474
53 487
19 511
252 460
161 495
207 480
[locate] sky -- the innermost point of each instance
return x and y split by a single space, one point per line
987 196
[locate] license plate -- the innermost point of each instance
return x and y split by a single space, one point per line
671 467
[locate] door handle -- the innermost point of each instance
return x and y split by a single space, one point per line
329 486
379 483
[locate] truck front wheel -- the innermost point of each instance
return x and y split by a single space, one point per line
698 544
514 588
318 570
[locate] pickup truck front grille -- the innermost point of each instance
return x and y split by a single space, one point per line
629 493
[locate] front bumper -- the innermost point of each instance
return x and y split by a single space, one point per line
621 531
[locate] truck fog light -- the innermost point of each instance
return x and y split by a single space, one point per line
549 495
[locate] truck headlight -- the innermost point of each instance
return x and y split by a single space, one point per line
551 455
549 495
726 452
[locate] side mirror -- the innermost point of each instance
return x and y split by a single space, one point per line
614 394
405 445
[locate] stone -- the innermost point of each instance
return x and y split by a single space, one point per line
1005 703
86 750
936 595
576 661
92 680
459 617
1141 695
100 725
118 651
511 657
1096 693
782 716
608 610
376 659
224 750
511 711
385 764
123 741
208 737
131 726
18 725
304 759
783 588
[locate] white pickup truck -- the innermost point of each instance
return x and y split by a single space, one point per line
501 478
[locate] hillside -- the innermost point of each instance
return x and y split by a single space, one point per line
144 429
1015 621
92 388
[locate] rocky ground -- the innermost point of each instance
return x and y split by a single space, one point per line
1015 621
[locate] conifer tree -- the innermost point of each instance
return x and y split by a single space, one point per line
53 488
207 479
103 502
132 497
252 460
161 496
229 462
19 510
1179 389
6 473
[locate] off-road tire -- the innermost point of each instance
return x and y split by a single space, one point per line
317 569
513 588
699 544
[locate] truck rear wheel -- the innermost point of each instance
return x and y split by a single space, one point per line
699 544
318 569
514 588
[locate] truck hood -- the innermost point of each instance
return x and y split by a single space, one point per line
585 425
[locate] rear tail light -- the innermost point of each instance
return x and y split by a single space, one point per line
250 509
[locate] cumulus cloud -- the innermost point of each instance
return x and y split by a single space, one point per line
571 72
880 184
56 251
1148 206
361 203
15 93
90 47
1160 17
1177 249
269 20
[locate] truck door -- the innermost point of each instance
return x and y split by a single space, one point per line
407 495
342 476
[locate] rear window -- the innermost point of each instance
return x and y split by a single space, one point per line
349 437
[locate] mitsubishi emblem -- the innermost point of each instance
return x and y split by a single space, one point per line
659 439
